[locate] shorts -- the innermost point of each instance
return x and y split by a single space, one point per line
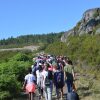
30 87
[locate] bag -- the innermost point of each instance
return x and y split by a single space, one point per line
48 78
59 78
50 75
72 96
47 81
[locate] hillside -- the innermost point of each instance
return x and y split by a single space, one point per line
89 24
83 49
28 40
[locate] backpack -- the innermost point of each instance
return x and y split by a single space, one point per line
59 77
48 78
72 96
47 81
34 70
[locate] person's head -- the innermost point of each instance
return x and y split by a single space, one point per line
46 66
40 68
35 64
70 62
58 67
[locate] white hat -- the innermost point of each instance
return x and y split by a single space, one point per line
40 64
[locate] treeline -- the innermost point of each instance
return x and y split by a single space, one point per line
85 49
30 40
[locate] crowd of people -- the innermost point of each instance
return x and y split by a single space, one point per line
50 73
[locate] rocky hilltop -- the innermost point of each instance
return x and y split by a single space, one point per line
89 24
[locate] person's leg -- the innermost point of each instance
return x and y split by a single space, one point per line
49 93
69 85
29 96
41 92
45 93
57 92
61 93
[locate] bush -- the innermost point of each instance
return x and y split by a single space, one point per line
9 85
83 48
12 75
57 48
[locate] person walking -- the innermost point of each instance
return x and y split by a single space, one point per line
40 80
47 82
29 83
59 82
69 75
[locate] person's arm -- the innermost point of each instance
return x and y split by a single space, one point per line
54 78
73 73
34 80
25 82
64 75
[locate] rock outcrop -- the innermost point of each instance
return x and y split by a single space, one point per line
89 24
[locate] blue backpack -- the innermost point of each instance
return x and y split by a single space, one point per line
59 76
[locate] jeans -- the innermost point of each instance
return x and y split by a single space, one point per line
69 85
48 92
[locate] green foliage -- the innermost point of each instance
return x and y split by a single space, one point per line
9 84
21 57
6 55
96 13
84 48
4 95
57 48
30 40
12 74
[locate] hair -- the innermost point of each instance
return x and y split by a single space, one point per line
40 68
70 62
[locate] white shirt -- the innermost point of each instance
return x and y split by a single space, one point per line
39 76
44 74
30 78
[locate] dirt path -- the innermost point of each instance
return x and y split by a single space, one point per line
24 48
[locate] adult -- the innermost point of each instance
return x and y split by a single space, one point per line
47 82
59 81
69 75
29 83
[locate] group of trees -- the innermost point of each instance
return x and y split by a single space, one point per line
30 40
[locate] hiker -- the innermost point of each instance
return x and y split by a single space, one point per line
59 81
40 80
47 82
69 75
29 83
34 68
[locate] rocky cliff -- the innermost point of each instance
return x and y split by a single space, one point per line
89 24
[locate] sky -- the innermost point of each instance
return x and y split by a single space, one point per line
23 17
